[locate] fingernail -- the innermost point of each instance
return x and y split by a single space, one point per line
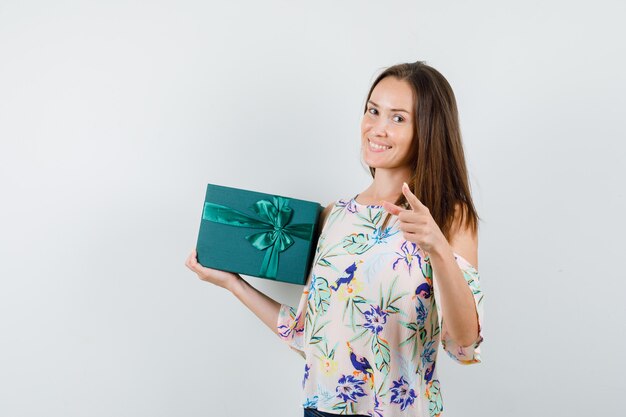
405 184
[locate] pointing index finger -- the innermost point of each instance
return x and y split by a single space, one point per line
414 202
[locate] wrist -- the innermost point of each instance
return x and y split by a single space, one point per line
442 250
235 284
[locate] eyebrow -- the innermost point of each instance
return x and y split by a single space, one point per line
370 101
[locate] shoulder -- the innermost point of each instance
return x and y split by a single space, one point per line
325 214
463 239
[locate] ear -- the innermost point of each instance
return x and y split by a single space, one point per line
462 239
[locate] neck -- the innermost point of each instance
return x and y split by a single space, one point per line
387 183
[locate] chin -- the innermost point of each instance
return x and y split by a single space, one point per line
375 164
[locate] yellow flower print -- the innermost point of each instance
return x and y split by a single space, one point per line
350 290
329 366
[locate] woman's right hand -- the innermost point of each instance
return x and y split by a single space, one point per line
218 277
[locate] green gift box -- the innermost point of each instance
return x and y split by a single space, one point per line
258 234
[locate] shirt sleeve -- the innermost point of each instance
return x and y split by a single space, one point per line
290 323
465 355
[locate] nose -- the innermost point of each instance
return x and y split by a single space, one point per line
379 127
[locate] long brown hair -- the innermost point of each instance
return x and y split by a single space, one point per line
439 176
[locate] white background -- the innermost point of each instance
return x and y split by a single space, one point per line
114 116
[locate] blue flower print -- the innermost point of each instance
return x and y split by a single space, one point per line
379 236
427 353
402 394
376 317
310 402
349 388
422 313
311 288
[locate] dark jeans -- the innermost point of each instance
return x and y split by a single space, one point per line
312 412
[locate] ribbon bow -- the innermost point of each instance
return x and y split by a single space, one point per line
275 217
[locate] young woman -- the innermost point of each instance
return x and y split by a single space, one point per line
390 281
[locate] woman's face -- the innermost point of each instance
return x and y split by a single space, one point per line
388 121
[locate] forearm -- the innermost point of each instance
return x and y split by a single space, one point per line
264 307
456 298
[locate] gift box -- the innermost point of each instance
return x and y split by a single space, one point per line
253 233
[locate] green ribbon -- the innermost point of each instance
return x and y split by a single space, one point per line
274 216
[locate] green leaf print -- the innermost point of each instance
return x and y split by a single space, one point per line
382 353
434 324
370 218
435 401
360 335
341 407
324 262
338 212
352 305
383 384
356 244
322 257
427 269
410 326
471 276
321 295
423 335
394 309
391 297
315 338
332 352
416 332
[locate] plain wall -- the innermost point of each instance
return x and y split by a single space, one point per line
115 115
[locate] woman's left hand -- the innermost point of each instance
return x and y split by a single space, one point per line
416 223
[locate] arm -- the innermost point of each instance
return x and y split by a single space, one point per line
264 307
457 301
459 297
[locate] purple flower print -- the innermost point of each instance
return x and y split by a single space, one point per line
428 375
375 318
402 394
378 411
424 290
349 387
409 253
350 205
306 373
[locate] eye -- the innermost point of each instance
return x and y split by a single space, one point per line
370 110
401 118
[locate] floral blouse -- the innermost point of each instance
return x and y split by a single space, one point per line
369 321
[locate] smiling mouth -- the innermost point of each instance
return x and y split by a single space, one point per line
377 147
